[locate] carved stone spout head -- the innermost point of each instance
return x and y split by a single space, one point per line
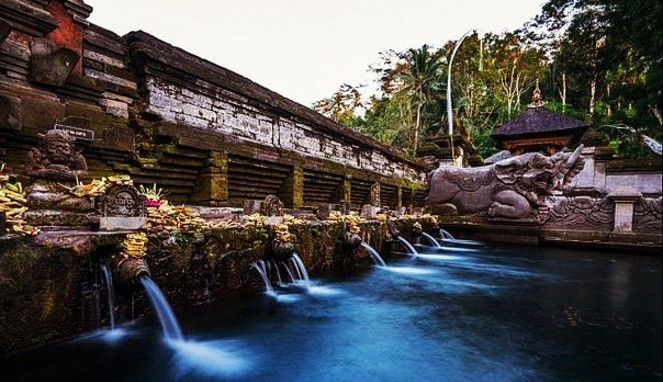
127 271
351 240
272 206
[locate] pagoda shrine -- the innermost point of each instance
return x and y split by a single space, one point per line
539 129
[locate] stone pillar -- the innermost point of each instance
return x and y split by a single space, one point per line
374 197
292 190
212 183
347 189
591 180
399 197
624 198
298 186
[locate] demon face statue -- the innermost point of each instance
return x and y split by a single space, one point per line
511 188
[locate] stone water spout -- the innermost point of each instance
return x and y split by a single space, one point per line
417 231
281 247
351 240
393 231
128 271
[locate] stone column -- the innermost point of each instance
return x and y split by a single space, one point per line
399 197
292 190
624 198
212 183
297 186
347 189
591 180
374 197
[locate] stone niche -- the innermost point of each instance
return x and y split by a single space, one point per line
121 207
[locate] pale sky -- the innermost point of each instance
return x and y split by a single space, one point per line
305 49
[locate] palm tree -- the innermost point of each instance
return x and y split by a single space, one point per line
422 79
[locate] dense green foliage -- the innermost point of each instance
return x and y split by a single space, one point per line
595 60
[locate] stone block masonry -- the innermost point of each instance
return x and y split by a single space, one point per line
165 116
221 114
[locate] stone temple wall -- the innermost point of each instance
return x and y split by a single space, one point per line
224 114
162 115
604 174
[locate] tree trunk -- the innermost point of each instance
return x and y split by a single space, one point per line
562 92
592 95
416 128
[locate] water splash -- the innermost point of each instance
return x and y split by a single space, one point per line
374 254
411 270
441 257
409 246
432 240
301 269
109 337
220 358
169 326
262 271
111 294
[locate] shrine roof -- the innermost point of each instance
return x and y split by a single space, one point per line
537 121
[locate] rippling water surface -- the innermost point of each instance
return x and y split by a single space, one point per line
489 315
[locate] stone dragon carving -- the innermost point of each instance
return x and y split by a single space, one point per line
512 188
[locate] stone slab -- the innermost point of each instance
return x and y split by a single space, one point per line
119 223
56 218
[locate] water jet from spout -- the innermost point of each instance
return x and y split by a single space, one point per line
408 246
301 269
431 239
262 271
169 326
111 294
374 254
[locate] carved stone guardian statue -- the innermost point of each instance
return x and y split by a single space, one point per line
56 162
512 188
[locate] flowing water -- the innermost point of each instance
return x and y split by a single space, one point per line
169 325
374 254
408 246
432 240
111 294
496 314
288 271
262 271
446 234
301 270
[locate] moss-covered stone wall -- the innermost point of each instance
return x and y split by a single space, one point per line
51 286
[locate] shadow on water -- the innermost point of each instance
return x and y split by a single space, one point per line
490 315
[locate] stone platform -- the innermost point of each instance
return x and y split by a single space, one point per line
482 229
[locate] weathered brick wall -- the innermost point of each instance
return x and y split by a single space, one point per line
223 114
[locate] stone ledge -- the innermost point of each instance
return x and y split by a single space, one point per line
640 242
